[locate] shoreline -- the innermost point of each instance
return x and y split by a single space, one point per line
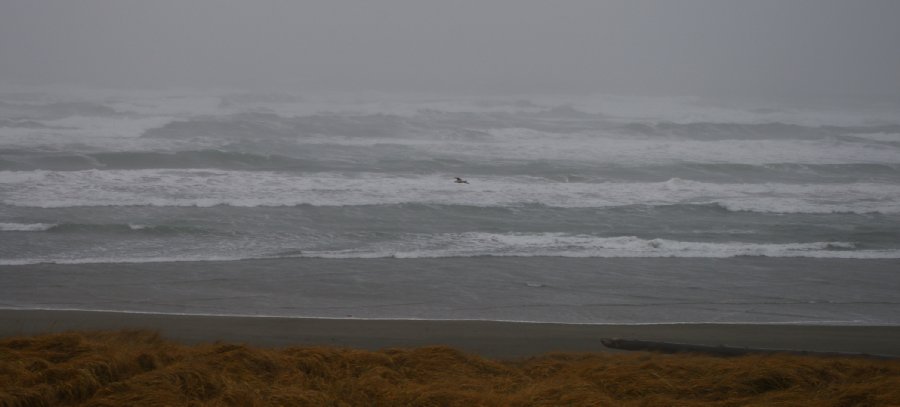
496 339
567 290
835 323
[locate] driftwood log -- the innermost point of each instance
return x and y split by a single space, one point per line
670 347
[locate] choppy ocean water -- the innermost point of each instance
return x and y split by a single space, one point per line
142 180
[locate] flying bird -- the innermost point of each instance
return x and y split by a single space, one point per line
460 181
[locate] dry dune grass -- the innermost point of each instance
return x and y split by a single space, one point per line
137 368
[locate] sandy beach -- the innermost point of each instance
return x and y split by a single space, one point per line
486 338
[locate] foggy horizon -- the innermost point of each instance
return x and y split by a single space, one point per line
770 49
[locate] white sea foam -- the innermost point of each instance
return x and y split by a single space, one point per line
25 227
474 244
204 188
120 132
113 259
116 133
694 109
887 137
632 150
609 148
175 104
568 245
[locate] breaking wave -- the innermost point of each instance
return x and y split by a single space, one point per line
566 245
479 244
206 188
25 227
325 158
97 228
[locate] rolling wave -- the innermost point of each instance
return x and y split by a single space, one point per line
97 228
480 244
473 126
25 227
349 226
207 188
476 137
473 244
53 110
158 178
24 161
754 131
325 159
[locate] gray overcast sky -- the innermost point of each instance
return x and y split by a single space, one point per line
685 47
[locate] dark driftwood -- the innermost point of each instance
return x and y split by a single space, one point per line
669 347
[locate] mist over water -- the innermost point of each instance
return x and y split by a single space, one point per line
113 176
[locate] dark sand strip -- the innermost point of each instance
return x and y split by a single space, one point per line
720 350
488 338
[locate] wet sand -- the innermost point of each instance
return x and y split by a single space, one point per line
748 290
487 338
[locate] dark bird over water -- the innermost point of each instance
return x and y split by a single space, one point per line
460 181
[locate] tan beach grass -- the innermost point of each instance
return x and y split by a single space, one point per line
140 368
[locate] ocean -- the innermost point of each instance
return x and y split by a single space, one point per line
581 209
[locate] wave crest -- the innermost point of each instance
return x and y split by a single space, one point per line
205 188
25 227
474 244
